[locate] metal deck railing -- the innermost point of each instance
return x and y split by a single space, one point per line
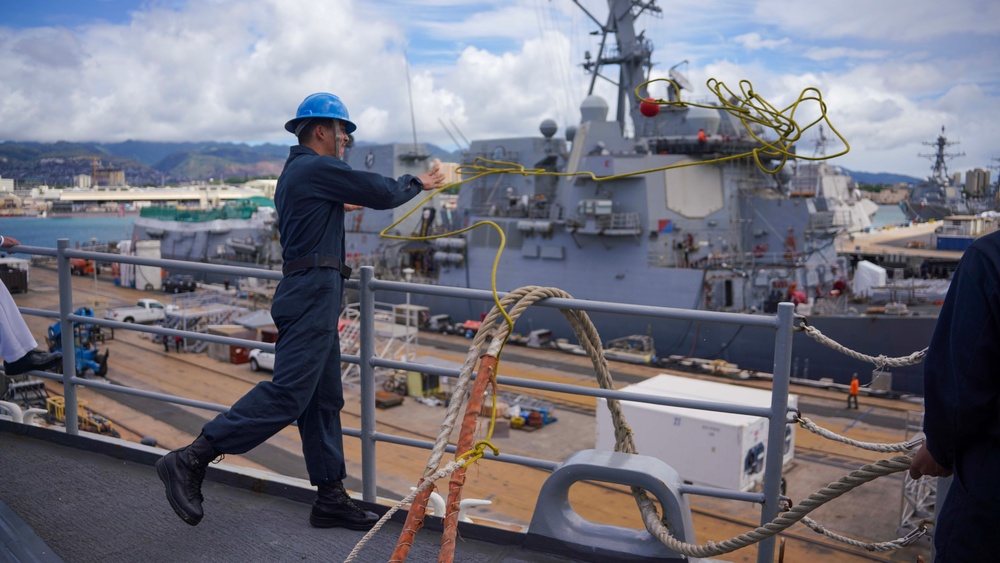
368 288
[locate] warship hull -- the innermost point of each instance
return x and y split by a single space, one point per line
749 348
236 235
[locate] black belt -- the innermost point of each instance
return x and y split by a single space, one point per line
316 261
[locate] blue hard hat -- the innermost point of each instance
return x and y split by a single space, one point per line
321 105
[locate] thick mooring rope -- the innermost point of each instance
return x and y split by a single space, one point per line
871 446
783 521
880 361
897 543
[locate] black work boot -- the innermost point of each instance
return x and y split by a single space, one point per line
334 508
182 472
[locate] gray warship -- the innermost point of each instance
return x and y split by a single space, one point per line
240 232
722 236
939 195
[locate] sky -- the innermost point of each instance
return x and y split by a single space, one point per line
892 73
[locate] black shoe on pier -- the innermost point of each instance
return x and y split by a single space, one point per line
335 509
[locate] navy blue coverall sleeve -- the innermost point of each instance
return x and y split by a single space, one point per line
962 368
332 179
311 194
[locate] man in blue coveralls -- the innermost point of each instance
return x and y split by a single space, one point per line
312 192
962 408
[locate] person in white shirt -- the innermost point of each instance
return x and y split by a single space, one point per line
17 345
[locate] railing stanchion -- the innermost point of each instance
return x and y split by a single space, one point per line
775 453
68 342
366 352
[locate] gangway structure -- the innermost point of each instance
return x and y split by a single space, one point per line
197 311
919 495
392 341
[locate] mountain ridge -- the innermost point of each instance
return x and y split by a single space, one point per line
881 178
149 163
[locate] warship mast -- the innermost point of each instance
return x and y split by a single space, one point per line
939 170
632 53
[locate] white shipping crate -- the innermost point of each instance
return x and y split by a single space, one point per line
149 278
707 448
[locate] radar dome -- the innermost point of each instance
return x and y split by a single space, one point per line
594 108
548 128
570 133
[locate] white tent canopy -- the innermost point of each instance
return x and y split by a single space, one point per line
867 276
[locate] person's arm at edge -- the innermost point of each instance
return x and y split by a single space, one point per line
955 409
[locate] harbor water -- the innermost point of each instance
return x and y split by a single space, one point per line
44 232
38 231
888 215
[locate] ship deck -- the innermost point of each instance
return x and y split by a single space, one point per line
92 498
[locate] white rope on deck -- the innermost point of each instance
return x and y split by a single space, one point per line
448 469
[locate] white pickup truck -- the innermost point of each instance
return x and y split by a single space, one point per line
144 311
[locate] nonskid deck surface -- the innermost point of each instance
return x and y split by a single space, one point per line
99 499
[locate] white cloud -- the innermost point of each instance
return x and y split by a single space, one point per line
830 53
891 74
914 21
754 41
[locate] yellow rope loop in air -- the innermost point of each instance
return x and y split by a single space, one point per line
752 109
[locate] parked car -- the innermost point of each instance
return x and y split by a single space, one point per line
179 283
260 359
144 311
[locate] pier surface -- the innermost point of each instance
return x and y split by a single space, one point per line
915 241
